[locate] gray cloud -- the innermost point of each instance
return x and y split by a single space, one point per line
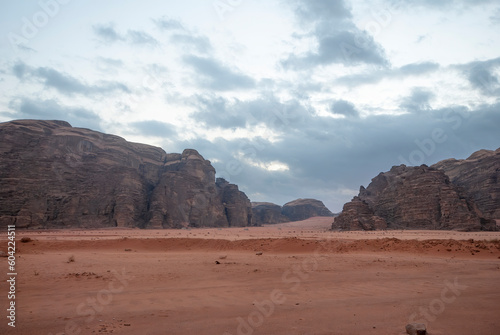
416 69
64 83
215 76
418 101
343 107
267 110
26 108
25 48
312 10
61 82
340 47
141 38
484 80
107 33
153 128
339 40
367 78
481 75
20 69
217 112
165 23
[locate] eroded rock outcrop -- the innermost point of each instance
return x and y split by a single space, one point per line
357 215
186 194
237 206
302 209
267 213
478 177
54 176
411 198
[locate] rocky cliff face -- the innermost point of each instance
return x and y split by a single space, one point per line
302 209
237 206
412 198
478 177
267 213
54 175
357 215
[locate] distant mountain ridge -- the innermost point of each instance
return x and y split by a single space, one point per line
451 194
296 210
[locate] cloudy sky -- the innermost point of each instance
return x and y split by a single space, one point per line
287 99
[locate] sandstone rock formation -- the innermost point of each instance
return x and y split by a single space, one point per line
411 198
54 176
357 215
267 213
478 176
302 209
237 206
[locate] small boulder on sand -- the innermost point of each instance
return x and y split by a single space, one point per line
416 329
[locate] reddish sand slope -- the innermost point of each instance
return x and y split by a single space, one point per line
307 282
